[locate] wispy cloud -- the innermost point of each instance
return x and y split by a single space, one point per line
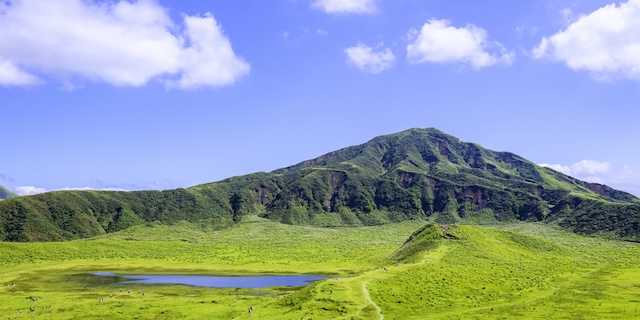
121 43
303 33
10 75
31 190
370 60
6 177
161 184
28 190
346 6
605 43
99 185
322 32
440 42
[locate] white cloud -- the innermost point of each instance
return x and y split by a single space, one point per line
624 178
590 167
369 60
439 42
98 185
28 190
303 33
31 190
11 75
162 184
121 43
89 188
159 185
557 167
346 6
583 168
605 43
322 32
568 16
209 61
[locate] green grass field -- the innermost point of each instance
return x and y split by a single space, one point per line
510 271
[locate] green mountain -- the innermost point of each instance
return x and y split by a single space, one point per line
6 194
414 174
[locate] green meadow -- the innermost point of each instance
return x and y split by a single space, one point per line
506 271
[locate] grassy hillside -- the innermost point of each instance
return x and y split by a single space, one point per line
427 238
507 271
6 194
418 174
64 215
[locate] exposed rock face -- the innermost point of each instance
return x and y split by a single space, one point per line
405 179
474 195
337 179
599 189
264 196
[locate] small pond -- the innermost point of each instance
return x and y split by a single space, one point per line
252 282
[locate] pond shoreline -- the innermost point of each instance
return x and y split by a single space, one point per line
216 281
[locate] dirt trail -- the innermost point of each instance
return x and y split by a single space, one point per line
432 257
354 288
367 298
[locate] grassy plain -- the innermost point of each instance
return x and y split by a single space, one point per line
510 271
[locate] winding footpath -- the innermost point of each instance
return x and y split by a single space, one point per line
367 298
351 294
431 257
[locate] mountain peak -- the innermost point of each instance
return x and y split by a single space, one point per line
422 174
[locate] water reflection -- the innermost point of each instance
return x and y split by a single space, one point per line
216 281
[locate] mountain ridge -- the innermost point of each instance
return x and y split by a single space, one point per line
6 194
421 174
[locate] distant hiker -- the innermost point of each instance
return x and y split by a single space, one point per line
129 291
100 299
384 270
120 290
20 311
330 291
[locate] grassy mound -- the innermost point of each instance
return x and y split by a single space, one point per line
426 238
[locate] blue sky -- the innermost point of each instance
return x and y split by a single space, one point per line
162 94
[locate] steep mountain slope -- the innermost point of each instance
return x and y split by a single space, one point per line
6 194
414 174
